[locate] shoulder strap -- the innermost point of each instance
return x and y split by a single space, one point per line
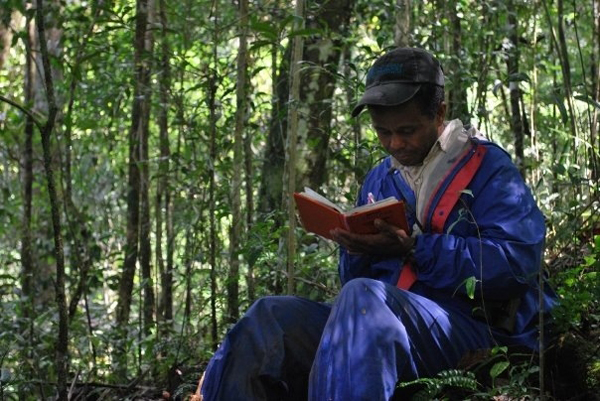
449 191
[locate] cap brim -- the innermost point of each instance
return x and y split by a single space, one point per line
388 94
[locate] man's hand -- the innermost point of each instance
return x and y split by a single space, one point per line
390 241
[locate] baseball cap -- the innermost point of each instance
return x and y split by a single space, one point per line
397 76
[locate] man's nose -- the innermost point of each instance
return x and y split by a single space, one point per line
397 142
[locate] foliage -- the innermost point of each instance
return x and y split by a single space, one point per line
93 66
433 388
580 293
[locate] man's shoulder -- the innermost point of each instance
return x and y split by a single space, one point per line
494 151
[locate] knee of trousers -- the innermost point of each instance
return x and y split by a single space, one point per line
263 311
360 286
272 307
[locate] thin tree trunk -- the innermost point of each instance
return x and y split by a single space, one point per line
248 157
318 85
163 208
238 160
512 63
62 342
402 28
27 287
212 89
536 173
6 33
133 187
457 94
595 72
566 70
78 230
145 223
483 68
291 156
559 42
271 186
351 98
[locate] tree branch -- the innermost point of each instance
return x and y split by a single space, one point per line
29 113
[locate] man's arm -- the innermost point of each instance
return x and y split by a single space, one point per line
498 240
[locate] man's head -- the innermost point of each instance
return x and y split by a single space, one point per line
405 98
397 76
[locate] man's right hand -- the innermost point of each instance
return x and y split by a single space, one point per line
390 241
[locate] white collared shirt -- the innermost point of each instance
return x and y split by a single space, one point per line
413 174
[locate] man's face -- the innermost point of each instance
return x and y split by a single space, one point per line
405 133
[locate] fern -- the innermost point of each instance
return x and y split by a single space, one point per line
433 386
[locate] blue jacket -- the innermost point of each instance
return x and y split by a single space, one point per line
481 221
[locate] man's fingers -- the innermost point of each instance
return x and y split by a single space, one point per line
384 227
401 233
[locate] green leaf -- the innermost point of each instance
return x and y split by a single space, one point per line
518 77
265 29
561 107
498 86
498 368
470 284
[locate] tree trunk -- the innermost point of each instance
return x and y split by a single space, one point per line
290 151
402 29
595 72
483 66
212 89
248 157
62 341
44 283
238 160
78 231
6 34
566 72
133 186
27 274
458 106
145 223
512 65
163 208
318 85
271 186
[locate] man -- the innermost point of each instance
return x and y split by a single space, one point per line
405 310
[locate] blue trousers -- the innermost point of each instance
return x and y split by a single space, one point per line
374 335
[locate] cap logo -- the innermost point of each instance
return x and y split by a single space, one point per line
377 72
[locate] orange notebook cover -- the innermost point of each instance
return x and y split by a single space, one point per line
319 215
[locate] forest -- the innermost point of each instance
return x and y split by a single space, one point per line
149 151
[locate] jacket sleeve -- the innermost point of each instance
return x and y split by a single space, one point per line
497 237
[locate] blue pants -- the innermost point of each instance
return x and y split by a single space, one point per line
374 335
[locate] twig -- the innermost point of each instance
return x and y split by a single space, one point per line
73 384
29 113
320 286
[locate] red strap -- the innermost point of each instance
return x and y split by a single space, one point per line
407 277
444 207
454 190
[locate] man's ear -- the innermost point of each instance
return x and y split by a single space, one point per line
440 115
